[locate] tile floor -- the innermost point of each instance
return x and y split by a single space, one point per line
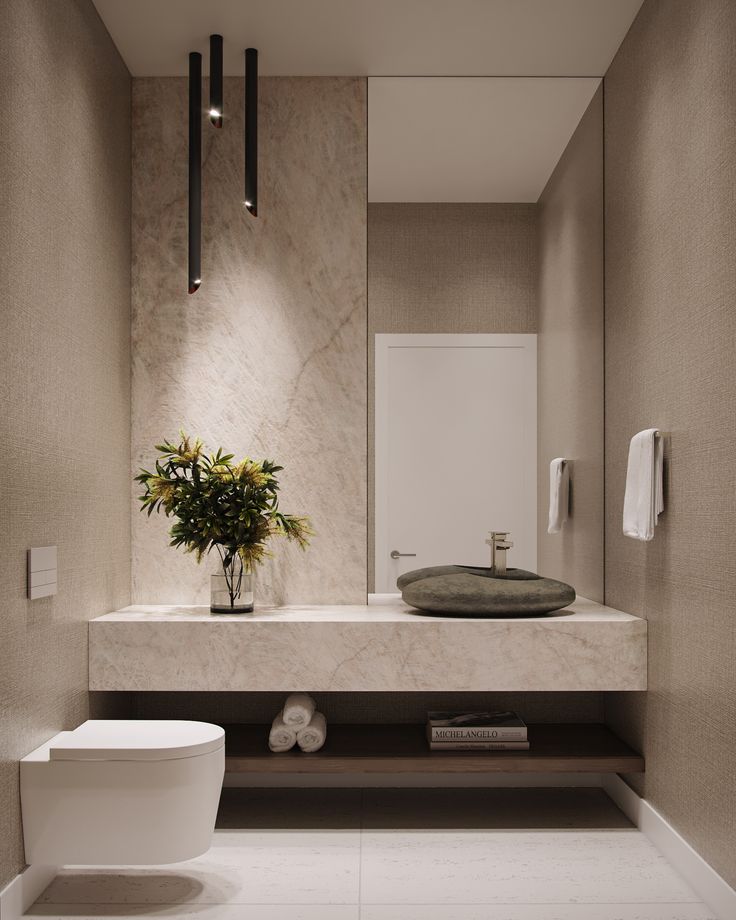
497 854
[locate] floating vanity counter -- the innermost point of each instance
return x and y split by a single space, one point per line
387 647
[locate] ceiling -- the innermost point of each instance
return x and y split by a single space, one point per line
469 138
375 37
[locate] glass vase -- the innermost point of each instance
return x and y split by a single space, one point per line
231 589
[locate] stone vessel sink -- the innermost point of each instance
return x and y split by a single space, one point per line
473 591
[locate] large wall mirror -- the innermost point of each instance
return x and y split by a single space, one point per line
485 320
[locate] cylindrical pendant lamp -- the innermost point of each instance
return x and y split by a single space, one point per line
216 96
195 171
251 130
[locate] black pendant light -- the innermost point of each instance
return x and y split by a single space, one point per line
251 130
216 98
195 171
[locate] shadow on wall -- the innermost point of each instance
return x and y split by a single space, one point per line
362 708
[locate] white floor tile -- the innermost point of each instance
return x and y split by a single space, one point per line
435 867
538 912
304 858
244 867
197 912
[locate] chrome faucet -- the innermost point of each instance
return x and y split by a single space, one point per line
499 543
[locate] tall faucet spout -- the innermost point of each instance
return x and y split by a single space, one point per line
499 543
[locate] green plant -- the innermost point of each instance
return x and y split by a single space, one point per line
231 506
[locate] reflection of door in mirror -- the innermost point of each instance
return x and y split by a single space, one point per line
455 449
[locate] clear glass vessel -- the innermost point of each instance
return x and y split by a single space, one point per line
231 589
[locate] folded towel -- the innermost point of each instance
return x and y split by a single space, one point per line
559 494
281 737
298 709
644 499
313 736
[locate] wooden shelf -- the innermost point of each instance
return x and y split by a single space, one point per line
555 748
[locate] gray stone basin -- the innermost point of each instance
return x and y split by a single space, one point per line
473 591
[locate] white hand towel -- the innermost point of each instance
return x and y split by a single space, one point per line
281 737
559 494
644 498
313 736
298 709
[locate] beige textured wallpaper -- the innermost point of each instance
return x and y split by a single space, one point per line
570 355
269 357
452 268
670 105
64 366
447 268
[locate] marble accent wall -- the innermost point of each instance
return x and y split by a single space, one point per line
670 104
269 357
64 367
570 355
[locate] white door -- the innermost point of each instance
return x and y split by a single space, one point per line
456 450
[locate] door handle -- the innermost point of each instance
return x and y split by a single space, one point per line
395 554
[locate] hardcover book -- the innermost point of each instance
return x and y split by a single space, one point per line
479 745
475 726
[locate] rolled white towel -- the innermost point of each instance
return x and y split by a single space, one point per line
281 737
298 709
313 736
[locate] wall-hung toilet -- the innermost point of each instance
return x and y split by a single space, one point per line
124 792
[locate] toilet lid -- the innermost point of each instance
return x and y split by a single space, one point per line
130 739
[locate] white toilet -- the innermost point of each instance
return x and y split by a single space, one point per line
122 792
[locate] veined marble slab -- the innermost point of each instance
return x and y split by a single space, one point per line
268 358
385 647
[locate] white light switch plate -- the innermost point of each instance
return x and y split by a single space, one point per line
42 572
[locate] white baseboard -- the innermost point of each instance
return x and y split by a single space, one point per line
409 780
18 895
702 877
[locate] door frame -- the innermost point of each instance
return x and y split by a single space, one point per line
384 342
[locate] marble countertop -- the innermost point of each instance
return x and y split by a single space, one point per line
385 646
394 611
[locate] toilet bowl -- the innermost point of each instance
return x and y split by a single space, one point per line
125 792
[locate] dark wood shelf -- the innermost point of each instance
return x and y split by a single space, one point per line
554 748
